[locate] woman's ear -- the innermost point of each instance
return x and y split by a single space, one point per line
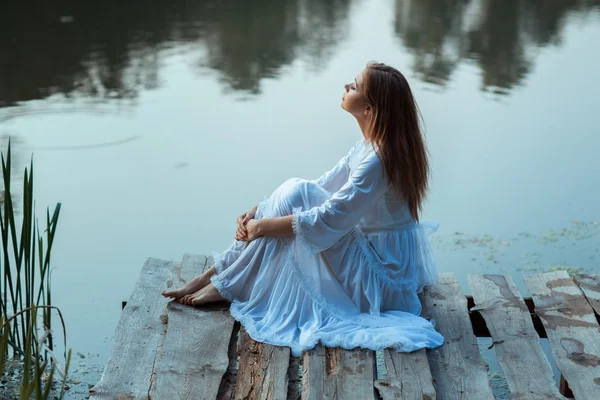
367 110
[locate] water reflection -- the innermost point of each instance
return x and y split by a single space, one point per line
101 51
500 36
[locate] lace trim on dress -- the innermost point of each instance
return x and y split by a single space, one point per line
218 284
337 340
297 228
377 265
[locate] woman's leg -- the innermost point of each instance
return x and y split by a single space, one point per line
291 194
192 286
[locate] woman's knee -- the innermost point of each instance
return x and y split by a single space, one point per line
297 193
304 193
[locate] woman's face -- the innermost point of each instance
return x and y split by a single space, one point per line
354 100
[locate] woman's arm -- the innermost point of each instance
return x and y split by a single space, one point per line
331 181
280 226
322 226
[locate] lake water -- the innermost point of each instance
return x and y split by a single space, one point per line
156 123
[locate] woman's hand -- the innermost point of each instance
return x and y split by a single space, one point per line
248 215
252 229
241 232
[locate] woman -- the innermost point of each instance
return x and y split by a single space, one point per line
340 259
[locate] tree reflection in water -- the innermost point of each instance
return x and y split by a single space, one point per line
500 36
110 50
101 50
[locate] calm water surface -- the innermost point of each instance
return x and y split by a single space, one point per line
156 123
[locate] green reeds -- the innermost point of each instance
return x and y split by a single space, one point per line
36 382
25 286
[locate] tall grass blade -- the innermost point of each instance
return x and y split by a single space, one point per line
49 382
26 386
3 346
62 388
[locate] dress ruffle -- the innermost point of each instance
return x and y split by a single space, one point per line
304 317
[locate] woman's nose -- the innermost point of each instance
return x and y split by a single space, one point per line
346 86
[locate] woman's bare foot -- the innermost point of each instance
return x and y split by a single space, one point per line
187 299
208 294
192 286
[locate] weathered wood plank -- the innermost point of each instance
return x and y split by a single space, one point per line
139 332
335 373
263 370
573 332
526 368
408 376
457 368
195 352
590 285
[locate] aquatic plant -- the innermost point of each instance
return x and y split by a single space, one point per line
25 261
25 286
32 362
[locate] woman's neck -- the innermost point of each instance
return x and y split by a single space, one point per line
364 127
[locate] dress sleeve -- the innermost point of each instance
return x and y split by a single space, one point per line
335 178
320 227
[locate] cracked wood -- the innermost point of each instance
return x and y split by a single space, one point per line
407 377
263 370
335 373
138 334
457 367
195 353
572 329
516 342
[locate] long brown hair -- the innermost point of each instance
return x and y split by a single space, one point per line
396 131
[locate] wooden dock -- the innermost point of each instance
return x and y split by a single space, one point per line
164 350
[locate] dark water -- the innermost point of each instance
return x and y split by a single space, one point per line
155 123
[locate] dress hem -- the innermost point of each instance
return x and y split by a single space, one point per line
325 308
298 350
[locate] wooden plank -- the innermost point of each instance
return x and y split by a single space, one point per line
526 368
139 332
335 373
572 329
263 370
408 376
590 285
195 353
457 368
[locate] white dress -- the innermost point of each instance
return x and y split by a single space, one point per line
350 274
